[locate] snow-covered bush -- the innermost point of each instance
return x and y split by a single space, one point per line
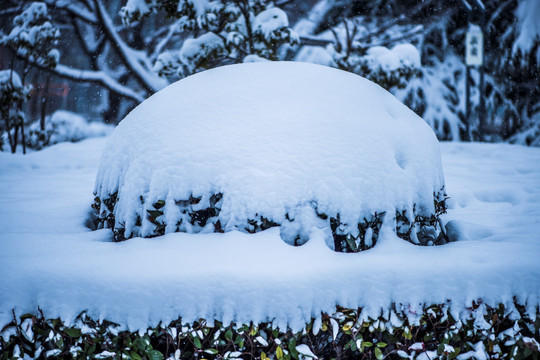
429 332
64 126
301 146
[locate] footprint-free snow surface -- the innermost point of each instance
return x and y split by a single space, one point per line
48 258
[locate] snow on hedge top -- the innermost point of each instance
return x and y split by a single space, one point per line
274 138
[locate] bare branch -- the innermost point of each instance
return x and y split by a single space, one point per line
95 77
306 40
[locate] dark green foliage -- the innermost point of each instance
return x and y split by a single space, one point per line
417 228
504 333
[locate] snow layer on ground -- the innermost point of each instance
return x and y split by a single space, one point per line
274 139
48 258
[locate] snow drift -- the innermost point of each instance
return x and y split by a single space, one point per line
251 146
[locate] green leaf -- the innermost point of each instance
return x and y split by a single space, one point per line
134 355
239 341
60 343
197 342
253 331
351 345
292 348
367 343
155 355
378 354
455 353
381 344
211 351
26 316
139 344
154 213
73 332
159 204
279 353
440 349
352 244
91 350
228 335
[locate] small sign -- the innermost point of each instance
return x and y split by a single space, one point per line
474 47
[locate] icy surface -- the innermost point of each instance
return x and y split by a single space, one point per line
48 258
274 139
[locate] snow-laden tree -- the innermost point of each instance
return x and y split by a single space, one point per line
131 49
33 38
106 54
12 98
341 34
215 32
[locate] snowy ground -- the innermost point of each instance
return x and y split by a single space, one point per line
48 258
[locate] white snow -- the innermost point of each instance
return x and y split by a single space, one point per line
198 5
304 350
133 7
479 353
401 55
280 139
9 80
528 13
417 346
193 50
253 58
64 126
49 259
270 20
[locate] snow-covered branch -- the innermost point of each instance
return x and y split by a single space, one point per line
98 77
134 60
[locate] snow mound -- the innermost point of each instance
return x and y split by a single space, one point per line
63 126
250 146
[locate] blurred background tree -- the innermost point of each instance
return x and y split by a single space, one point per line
112 55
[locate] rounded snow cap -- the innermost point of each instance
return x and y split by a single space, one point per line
251 146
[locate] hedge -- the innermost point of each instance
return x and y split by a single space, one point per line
479 332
